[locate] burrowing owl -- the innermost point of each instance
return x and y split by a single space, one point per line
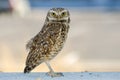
49 41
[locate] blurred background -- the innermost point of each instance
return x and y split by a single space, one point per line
93 43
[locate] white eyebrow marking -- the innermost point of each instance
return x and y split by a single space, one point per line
63 11
54 12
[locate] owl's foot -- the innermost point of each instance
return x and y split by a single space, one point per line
53 74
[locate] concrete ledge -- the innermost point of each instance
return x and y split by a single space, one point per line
67 76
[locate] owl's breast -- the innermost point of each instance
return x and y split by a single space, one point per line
58 34
54 36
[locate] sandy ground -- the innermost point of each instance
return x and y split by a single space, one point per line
93 43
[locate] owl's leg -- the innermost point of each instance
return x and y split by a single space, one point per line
52 73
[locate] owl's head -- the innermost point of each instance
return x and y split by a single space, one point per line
58 15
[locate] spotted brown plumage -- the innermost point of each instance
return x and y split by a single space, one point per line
48 42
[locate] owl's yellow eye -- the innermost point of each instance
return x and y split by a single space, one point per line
64 14
53 14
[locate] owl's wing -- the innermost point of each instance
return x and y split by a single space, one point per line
34 56
47 35
32 42
41 45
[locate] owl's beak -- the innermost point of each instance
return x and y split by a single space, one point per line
58 17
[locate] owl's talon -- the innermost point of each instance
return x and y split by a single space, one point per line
52 74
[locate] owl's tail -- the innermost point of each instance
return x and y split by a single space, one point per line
28 69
